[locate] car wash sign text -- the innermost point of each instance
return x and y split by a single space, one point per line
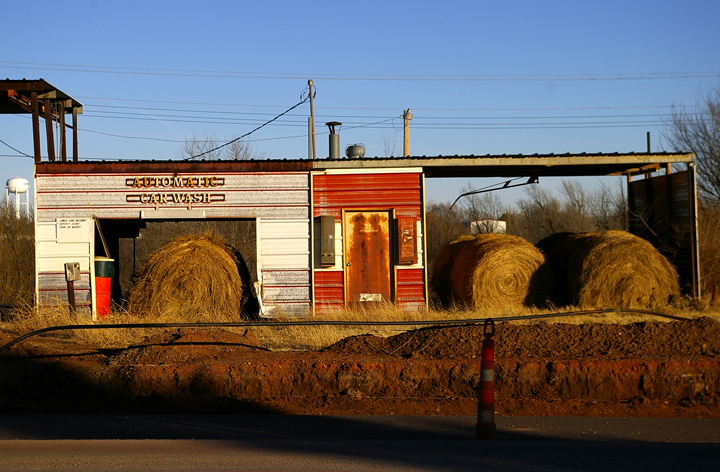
176 190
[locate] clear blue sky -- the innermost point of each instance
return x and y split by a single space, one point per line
480 77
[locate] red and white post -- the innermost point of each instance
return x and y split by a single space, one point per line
485 427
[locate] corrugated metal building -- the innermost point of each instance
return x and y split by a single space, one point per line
329 233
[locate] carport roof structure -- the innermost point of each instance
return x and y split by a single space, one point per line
511 165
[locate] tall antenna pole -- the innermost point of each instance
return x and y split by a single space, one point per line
407 116
312 120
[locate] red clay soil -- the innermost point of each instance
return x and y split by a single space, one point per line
644 369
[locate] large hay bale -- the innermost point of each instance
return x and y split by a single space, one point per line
616 269
442 265
498 271
189 278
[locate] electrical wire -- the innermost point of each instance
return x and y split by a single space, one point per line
6 144
266 324
250 132
368 77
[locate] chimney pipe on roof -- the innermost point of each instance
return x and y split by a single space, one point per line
334 139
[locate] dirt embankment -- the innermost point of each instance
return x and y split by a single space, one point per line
642 369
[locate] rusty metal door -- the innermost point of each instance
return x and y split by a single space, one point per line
367 256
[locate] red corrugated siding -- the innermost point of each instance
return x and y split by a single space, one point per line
401 192
329 291
332 193
410 289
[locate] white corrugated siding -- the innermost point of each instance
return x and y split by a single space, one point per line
57 242
241 195
283 262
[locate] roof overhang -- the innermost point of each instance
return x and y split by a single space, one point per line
15 96
545 165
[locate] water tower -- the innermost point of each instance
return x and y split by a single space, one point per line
17 186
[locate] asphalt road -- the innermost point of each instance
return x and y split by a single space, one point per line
353 443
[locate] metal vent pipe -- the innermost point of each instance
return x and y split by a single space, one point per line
334 139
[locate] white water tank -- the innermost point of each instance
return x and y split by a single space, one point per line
17 186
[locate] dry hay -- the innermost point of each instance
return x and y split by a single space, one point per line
442 265
189 278
499 271
614 269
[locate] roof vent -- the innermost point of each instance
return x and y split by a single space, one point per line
355 151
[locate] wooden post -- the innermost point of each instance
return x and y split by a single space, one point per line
75 134
36 126
63 146
49 130
407 116
71 296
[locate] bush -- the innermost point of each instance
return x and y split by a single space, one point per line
17 257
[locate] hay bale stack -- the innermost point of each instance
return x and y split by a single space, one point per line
189 278
614 269
442 265
498 270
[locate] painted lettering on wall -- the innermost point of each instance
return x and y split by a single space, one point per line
194 187
175 181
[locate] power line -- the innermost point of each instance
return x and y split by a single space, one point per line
250 132
6 144
379 108
367 77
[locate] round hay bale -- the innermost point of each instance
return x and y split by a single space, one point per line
499 270
616 269
189 278
442 265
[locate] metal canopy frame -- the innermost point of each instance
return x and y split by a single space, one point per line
545 165
38 97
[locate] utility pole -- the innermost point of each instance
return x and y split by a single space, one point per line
311 124
407 116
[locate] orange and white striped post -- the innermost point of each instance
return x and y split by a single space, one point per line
485 427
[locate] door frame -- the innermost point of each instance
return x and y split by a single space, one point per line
391 248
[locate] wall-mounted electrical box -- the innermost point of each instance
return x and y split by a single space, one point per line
407 240
327 241
72 271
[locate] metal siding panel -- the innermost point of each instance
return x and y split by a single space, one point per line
667 213
83 297
46 231
334 192
105 195
329 288
57 281
367 190
284 293
52 249
286 277
410 289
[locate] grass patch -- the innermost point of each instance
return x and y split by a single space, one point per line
301 338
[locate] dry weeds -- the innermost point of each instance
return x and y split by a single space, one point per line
300 338
17 257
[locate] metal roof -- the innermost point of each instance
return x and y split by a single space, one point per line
15 95
505 165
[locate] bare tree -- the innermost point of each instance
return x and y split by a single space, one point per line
484 207
608 208
698 130
206 148
576 207
388 144
443 225
540 215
